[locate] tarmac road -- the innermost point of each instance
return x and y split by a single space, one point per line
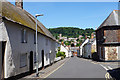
79 68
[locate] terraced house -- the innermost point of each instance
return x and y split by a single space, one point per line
108 38
17 41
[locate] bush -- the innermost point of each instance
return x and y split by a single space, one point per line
59 54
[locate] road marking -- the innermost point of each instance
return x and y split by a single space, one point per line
56 69
110 68
107 76
104 67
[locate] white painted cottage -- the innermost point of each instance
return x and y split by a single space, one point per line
89 48
64 49
17 36
81 47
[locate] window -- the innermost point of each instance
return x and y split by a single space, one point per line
35 60
46 57
24 35
23 60
34 38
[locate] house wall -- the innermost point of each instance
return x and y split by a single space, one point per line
81 47
93 47
14 49
63 49
112 35
87 51
0 59
99 41
111 53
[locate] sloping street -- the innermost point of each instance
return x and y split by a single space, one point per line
79 68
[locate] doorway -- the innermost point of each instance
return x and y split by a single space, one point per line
43 59
2 56
31 62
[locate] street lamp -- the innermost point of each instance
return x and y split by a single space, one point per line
37 73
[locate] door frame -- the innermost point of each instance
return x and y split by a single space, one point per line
3 57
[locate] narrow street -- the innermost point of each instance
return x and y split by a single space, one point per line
79 68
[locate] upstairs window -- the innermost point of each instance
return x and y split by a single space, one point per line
24 35
34 38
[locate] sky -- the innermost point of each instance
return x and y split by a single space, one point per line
71 14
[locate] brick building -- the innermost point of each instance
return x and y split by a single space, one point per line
108 37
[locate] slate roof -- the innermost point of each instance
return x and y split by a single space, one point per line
112 20
21 16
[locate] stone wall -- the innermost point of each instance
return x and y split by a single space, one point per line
111 53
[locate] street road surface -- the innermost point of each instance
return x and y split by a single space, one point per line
79 68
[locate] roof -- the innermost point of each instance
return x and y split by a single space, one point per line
112 20
12 13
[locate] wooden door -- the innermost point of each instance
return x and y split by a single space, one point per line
42 58
31 62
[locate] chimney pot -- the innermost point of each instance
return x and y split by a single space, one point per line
19 3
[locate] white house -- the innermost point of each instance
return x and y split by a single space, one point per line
81 47
89 48
66 50
17 34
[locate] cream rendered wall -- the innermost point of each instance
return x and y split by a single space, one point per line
7 57
15 48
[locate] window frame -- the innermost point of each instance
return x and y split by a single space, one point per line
24 36
22 60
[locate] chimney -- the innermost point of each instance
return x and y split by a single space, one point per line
86 37
19 3
92 35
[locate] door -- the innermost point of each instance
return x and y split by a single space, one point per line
31 62
2 58
42 58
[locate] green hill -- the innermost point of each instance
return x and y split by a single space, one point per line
71 31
